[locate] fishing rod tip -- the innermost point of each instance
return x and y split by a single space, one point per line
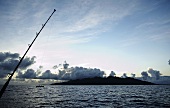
54 10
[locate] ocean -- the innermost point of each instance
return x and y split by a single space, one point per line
102 96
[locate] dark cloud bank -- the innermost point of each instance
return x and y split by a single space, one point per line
8 62
154 74
63 74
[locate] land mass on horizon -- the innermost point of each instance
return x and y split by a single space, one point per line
105 81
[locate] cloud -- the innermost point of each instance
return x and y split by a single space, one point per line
8 62
99 12
6 55
32 74
3 73
48 75
65 72
112 73
163 35
78 18
27 62
154 73
133 75
79 73
124 75
129 42
55 67
65 65
144 75
84 19
29 73
145 25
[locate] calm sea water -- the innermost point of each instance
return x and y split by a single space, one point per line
154 96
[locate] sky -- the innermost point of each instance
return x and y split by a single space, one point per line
124 36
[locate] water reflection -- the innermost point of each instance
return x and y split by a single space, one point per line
87 96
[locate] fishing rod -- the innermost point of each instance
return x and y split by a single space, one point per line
10 77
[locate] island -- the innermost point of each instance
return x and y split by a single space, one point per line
105 81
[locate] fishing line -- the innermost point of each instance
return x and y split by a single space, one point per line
46 42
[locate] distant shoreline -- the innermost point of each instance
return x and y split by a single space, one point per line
106 81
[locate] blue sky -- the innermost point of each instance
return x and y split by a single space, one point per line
120 35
